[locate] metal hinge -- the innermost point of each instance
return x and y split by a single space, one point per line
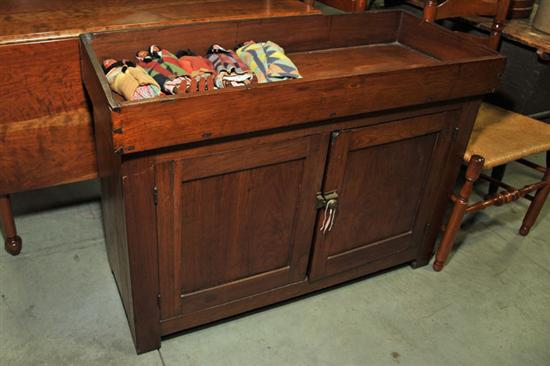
155 195
455 132
334 136
427 228
158 300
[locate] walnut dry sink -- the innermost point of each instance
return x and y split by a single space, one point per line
214 202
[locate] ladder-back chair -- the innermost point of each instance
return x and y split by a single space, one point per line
499 137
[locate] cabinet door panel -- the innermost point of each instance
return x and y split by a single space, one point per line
382 175
236 223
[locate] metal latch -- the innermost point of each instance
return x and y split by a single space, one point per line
323 198
328 201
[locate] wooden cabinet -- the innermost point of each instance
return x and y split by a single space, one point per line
384 176
235 222
221 202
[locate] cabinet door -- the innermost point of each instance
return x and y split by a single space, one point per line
236 222
383 176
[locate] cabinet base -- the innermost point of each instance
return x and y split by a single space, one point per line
191 320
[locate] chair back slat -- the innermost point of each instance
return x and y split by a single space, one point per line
465 8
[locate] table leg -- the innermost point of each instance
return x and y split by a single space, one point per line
13 241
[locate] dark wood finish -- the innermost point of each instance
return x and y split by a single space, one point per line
347 5
221 203
137 181
368 226
65 18
497 174
540 198
459 209
520 8
370 87
462 206
12 242
458 8
276 295
462 126
254 237
45 115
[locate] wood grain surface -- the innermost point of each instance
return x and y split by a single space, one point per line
39 20
46 135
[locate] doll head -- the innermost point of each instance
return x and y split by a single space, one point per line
154 51
144 56
109 64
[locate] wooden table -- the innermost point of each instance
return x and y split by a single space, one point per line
520 30
45 126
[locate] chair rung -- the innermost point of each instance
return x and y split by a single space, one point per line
529 197
505 197
498 182
530 164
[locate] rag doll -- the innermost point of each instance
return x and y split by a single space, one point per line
130 80
230 69
168 82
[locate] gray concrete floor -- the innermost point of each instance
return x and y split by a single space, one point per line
491 306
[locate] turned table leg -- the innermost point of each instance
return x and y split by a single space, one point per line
13 241
536 205
461 204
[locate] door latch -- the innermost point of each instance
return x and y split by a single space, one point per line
328 201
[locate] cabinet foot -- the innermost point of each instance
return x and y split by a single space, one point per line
419 263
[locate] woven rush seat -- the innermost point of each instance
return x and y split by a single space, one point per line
502 136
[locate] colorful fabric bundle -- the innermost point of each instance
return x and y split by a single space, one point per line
129 80
230 69
268 61
169 82
167 60
194 65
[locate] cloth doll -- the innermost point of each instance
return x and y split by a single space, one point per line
195 65
168 82
230 69
130 80
268 61
167 60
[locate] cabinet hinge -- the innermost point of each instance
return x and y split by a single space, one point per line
455 132
334 136
158 300
155 195
427 228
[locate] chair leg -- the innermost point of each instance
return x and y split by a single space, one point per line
497 173
13 242
461 204
536 205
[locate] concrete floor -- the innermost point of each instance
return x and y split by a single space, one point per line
491 306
